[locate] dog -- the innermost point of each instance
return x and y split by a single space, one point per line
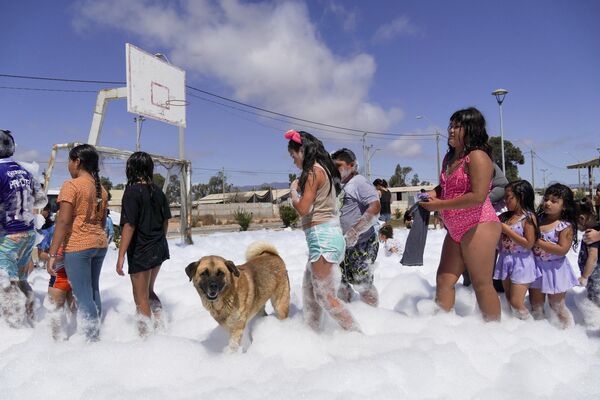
233 295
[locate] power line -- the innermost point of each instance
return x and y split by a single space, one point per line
48 90
358 131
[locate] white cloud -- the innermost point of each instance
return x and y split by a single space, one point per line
25 154
406 148
269 54
347 17
399 26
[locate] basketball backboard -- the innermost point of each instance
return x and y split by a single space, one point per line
155 88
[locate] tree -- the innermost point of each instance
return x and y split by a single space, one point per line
292 177
158 180
119 186
104 181
512 157
415 180
217 183
399 177
174 190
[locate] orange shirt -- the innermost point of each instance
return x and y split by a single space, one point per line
87 231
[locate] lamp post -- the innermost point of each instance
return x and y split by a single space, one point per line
369 156
500 94
437 144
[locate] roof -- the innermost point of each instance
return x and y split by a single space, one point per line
398 189
243 197
593 163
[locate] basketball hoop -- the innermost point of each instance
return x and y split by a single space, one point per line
176 103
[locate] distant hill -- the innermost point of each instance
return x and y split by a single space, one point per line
272 185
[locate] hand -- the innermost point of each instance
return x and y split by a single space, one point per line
50 266
591 236
294 185
583 281
434 204
119 268
351 237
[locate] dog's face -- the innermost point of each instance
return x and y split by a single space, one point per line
211 275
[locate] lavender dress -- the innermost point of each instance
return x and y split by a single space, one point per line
557 274
515 261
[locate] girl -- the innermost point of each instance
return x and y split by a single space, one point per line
145 217
391 246
319 184
557 235
80 228
516 265
473 227
588 254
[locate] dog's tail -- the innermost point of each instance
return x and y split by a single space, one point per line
255 249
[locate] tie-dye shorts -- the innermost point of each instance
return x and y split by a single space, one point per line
15 252
326 240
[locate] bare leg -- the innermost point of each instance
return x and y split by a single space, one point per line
312 310
29 299
537 300
141 286
12 304
56 299
324 290
369 294
449 270
506 284
517 300
479 252
557 304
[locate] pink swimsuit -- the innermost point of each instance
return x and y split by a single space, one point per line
459 221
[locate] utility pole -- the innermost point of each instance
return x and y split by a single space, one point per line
223 183
365 151
532 170
544 170
437 144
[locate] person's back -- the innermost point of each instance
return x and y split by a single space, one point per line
324 206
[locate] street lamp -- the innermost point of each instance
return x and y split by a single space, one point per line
368 166
500 94
437 144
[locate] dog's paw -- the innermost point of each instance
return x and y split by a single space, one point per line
232 349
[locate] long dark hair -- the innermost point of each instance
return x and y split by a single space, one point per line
139 168
88 160
476 137
569 213
314 152
525 196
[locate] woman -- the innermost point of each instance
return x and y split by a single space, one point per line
385 198
463 202
80 227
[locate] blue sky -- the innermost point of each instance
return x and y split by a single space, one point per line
366 65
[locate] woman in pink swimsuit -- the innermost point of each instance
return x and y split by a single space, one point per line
463 202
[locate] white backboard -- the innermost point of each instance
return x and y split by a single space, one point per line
155 88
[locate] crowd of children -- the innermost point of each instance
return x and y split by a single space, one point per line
339 210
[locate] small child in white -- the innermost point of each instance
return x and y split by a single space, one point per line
390 245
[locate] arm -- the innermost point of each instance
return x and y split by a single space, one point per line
527 240
62 226
565 239
126 235
316 179
591 236
480 173
590 265
364 223
498 183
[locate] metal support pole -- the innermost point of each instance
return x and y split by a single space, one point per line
437 144
532 171
502 140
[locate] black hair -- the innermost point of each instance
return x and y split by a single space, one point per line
140 168
384 183
525 197
88 160
378 182
585 209
473 123
314 152
345 155
387 230
7 144
569 213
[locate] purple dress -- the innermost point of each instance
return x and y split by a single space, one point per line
557 274
515 261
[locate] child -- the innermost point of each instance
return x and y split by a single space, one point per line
516 265
145 217
588 254
59 288
358 214
391 246
557 222
319 184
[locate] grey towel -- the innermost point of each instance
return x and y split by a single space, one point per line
415 242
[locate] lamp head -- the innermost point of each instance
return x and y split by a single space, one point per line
500 94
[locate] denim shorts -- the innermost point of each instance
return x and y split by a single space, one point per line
326 240
15 252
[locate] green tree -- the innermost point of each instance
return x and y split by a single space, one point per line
119 186
512 157
292 177
106 182
415 180
217 182
158 180
399 177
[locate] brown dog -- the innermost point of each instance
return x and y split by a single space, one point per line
234 294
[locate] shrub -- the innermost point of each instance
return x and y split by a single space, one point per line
117 235
243 218
288 215
397 213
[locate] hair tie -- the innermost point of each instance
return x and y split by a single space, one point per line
293 135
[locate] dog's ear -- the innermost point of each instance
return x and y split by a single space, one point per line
232 268
190 270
